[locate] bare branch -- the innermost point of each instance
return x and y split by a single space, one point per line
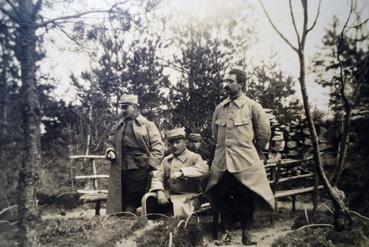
73 39
55 20
346 127
359 215
304 26
36 8
294 22
14 8
315 225
8 14
359 25
316 17
345 100
275 28
78 15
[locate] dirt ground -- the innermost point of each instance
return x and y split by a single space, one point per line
79 227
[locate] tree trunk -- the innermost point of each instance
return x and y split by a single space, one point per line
342 217
343 146
89 122
28 214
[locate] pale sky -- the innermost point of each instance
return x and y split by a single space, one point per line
62 62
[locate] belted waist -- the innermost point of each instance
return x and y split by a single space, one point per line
133 158
132 151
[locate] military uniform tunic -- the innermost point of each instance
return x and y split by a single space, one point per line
241 128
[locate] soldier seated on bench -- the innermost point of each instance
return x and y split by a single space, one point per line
176 180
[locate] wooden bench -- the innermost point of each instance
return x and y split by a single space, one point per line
289 178
95 194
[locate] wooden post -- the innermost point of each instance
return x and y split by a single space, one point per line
71 163
293 203
95 185
315 192
97 208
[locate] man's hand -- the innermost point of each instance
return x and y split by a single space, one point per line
176 175
162 198
111 155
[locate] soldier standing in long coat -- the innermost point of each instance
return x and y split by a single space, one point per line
241 129
135 148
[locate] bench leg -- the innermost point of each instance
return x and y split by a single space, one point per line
271 218
294 203
97 208
315 199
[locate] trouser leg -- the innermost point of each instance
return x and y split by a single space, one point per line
134 187
221 195
153 208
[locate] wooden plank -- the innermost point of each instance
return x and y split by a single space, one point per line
270 165
294 162
92 191
300 191
91 176
296 177
286 162
87 157
93 197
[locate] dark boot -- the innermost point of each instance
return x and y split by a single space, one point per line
226 239
246 238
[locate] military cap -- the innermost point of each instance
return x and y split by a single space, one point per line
195 137
128 99
175 134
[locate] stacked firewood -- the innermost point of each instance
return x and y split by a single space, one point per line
294 141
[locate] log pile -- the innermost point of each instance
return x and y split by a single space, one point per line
294 141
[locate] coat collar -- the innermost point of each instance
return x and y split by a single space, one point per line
181 157
239 101
140 120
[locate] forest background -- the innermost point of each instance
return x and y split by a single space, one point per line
174 58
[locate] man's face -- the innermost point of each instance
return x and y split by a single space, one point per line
129 111
177 146
231 86
194 144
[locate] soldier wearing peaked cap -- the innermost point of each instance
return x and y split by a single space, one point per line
176 179
135 148
194 142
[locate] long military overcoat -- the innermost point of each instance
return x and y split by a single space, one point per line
240 128
149 139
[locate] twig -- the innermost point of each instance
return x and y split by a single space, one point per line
306 215
157 214
316 17
189 217
8 14
275 28
327 207
10 223
294 22
315 225
359 215
180 223
170 239
14 8
7 209
48 163
124 212
359 25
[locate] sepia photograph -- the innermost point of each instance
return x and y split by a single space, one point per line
184 123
